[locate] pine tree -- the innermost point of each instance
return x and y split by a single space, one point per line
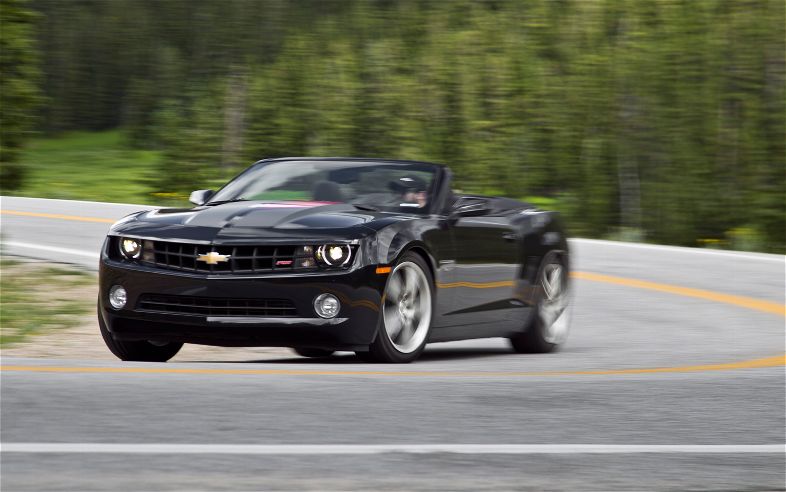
19 94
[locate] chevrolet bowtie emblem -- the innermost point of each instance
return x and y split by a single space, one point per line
213 258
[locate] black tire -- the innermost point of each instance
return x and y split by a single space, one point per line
382 349
533 340
139 351
313 352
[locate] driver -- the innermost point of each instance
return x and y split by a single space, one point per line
412 190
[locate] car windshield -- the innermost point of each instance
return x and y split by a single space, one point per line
386 186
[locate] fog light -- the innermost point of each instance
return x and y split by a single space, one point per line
326 305
117 297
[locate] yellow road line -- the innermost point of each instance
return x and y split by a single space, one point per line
58 216
741 301
777 361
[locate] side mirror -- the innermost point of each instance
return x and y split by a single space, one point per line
200 197
474 208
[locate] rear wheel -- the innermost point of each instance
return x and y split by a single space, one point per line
548 328
407 309
138 350
313 352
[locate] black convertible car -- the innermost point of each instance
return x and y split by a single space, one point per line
373 256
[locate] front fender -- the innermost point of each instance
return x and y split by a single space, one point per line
428 236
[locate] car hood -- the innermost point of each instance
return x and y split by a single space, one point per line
257 219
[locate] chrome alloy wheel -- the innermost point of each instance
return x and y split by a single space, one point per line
406 309
553 310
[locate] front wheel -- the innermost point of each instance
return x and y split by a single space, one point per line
407 311
548 328
141 350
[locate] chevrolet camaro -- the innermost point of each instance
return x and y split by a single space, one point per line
374 256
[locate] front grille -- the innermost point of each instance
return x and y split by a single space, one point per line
212 306
239 259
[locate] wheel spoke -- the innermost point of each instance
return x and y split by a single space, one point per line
552 282
410 281
406 332
416 291
395 286
393 323
561 302
417 314
419 307
556 282
546 284
547 287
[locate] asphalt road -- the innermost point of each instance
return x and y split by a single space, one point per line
670 348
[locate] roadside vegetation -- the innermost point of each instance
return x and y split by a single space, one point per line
96 166
654 121
36 298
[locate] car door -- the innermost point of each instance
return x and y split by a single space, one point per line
486 255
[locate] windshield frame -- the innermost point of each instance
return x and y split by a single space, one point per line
434 202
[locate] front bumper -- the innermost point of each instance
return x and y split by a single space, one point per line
354 328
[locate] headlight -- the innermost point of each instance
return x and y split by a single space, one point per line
334 254
131 248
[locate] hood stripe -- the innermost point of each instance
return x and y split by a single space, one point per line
291 204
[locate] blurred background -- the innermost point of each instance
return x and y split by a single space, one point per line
641 120
658 121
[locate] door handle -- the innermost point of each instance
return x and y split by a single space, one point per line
509 236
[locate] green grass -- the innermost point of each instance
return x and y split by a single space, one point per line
88 166
36 298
